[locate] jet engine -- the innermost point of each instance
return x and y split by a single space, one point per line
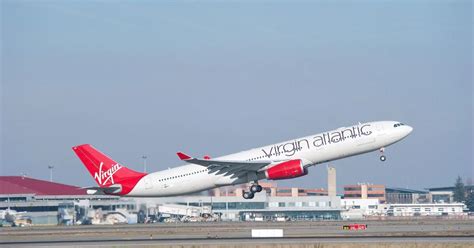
285 170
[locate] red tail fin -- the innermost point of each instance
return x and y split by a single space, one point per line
106 171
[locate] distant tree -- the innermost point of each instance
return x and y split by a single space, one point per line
470 201
459 194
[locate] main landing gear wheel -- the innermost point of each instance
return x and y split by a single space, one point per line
255 188
248 195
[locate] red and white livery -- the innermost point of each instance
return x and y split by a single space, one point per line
279 161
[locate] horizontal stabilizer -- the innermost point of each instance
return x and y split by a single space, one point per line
114 189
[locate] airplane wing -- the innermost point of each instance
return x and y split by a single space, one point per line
226 167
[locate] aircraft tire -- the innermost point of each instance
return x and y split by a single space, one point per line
254 188
248 195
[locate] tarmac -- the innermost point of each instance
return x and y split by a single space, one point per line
416 233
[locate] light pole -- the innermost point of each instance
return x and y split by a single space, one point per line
144 157
50 167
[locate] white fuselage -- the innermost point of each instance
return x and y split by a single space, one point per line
314 149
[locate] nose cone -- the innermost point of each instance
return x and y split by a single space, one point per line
406 130
409 129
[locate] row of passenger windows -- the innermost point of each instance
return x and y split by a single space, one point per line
252 159
398 124
272 154
183 175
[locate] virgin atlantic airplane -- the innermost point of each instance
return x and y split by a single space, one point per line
279 161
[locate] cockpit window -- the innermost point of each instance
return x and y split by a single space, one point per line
398 124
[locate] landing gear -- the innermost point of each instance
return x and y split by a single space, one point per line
248 195
382 157
255 188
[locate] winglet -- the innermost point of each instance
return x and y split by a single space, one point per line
183 156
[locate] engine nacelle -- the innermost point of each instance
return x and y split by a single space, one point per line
286 170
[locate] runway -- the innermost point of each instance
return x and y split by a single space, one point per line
238 234
249 241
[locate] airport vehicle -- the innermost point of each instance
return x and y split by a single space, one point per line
279 161
354 227
14 218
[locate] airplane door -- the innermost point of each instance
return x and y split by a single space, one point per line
148 183
370 139
380 130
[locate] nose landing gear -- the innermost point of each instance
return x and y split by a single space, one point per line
382 157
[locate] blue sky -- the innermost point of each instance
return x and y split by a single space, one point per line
208 77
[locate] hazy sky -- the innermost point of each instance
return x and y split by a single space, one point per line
146 77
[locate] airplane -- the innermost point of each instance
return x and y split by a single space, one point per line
285 160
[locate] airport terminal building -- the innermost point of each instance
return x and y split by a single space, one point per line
51 203
54 203
262 207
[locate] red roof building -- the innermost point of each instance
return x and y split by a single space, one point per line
11 185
